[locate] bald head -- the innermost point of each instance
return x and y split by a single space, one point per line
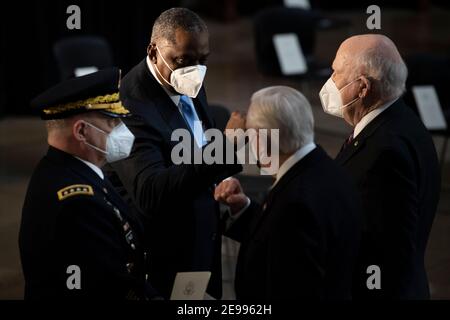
376 57
376 43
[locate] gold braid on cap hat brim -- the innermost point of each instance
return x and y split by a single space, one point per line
109 102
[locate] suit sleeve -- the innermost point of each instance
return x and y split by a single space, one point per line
390 200
295 255
240 228
151 178
90 238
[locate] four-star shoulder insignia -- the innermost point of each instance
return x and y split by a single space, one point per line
75 189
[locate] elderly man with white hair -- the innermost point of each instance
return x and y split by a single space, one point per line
391 157
303 241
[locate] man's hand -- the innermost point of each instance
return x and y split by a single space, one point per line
230 192
236 121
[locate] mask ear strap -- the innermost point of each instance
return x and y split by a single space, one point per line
157 69
164 60
350 103
354 100
91 145
359 78
96 148
91 125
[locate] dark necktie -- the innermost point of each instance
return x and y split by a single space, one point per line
347 142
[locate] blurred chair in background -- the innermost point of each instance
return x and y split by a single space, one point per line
80 55
429 69
426 69
304 23
280 20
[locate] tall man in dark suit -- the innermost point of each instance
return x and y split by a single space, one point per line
77 237
392 159
303 242
165 93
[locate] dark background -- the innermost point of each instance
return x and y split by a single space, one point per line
29 30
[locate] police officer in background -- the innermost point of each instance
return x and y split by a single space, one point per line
77 237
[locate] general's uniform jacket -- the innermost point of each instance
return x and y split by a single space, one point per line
71 217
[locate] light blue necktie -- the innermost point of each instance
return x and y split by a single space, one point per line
190 116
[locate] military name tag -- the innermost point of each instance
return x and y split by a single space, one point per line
190 285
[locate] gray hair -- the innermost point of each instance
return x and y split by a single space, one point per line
59 126
172 19
56 124
388 70
286 109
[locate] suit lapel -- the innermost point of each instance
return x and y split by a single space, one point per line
201 106
311 158
156 95
360 140
348 151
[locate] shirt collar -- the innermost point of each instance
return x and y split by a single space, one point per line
174 97
96 169
370 116
293 159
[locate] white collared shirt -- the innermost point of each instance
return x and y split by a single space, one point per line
293 159
369 117
96 169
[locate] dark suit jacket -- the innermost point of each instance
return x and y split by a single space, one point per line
394 165
82 229
304 241
176 202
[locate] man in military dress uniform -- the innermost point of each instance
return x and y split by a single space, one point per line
78 238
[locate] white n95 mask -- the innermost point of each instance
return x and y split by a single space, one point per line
330 97
118 142
187 80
